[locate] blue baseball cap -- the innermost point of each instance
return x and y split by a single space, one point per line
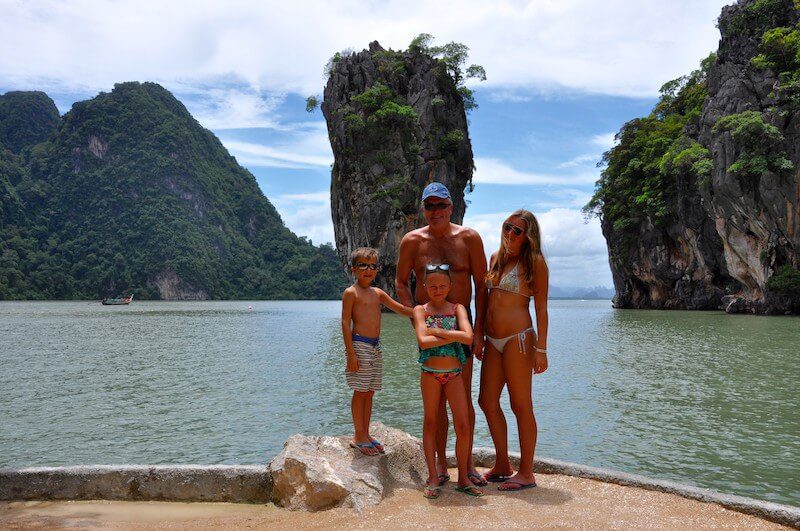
436 190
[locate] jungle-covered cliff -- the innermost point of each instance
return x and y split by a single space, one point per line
396 122
699 200
127 193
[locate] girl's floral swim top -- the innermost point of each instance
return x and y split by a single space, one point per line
445 321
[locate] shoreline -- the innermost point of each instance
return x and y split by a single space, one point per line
558 501
253 484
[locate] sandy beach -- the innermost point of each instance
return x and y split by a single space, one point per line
559 501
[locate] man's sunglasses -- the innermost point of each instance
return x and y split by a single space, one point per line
508 227
363 267
431 207
430 268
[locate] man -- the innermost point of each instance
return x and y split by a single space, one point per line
442 242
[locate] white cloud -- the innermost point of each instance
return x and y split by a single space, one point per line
307 151
605 141
580 160
575 250
624 47
495 171
307 215
314 197
233 108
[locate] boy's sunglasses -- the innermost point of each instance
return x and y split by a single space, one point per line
431 207
508 227
363 267
430 268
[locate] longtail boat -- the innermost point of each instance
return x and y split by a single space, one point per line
117 301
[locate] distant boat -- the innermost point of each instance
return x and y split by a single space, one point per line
117 302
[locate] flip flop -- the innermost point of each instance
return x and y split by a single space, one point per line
519 486
443 478
363 447
432 492
470 490
495 478
477 479
378 446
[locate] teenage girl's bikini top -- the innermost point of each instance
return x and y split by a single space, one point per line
509 282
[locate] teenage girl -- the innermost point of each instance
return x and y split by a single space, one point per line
515 349
443 333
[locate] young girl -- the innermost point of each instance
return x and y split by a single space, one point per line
443 333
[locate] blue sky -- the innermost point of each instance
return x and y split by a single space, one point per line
563 76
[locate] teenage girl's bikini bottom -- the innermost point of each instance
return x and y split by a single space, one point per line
500 343
442 375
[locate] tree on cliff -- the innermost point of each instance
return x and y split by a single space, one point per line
453 55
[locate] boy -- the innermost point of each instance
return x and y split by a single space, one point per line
361 326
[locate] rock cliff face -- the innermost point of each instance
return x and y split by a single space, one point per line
735 222
396 122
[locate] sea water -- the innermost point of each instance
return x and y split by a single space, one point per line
702 398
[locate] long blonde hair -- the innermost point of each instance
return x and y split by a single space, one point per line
531 249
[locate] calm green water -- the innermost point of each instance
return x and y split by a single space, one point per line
702 398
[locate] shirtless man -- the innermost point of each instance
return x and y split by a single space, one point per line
442 242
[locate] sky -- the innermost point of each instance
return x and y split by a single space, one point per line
562 77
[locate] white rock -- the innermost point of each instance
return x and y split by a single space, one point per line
314 473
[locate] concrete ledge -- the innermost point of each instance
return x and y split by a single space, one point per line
253 484
775 512
216 483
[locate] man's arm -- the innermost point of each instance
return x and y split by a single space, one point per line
348 298
393 305
477 259
405 264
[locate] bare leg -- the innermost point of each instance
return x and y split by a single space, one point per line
466 378
442 427
518 368
358 407
457 397
492 382
367 412
431 394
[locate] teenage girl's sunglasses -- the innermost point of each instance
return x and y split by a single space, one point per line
363 267
508 227
430 268
430 207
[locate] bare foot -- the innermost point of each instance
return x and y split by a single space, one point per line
477 478
498 474
518 482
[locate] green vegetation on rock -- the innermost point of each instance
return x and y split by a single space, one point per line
26 118
641 171
758 142
785 281
132 193
453 57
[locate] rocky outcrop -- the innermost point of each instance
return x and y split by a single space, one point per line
172 288
731 230
395 122
315 473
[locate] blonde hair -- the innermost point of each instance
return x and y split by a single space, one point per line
362 253
531 249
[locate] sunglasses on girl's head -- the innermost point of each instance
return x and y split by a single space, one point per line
363 267
437 267
508 227
430 207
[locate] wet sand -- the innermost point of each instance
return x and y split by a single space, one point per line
558 501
